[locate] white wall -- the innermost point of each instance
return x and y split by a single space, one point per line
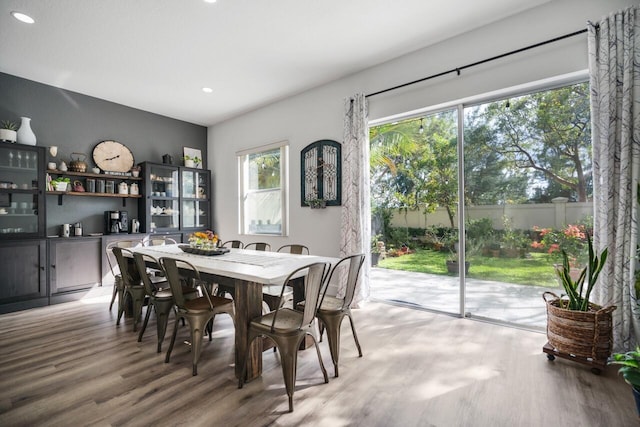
317 114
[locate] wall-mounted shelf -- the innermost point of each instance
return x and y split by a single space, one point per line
104 176
95 175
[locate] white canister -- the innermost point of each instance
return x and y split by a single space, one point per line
133 189
123 188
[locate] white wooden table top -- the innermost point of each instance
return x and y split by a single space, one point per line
269 268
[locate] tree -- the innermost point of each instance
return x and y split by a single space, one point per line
548 133
412 169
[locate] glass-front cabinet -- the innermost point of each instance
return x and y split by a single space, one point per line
195 198
22 208
161 195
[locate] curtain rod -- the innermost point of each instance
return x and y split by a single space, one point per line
493 58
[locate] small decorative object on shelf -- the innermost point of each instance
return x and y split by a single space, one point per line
204 240
25 134
8 131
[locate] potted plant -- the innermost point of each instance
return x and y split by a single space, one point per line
630 371
577 328
192 161
60 184
317 203
8 131
452 263
375 254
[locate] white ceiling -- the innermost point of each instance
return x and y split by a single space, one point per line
156 55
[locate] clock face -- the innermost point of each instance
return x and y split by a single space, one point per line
113 156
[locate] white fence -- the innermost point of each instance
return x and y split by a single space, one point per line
522 217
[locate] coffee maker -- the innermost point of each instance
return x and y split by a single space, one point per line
116 222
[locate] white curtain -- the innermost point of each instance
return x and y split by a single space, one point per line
614 61
356 209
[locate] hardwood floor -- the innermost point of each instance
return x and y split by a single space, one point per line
69 365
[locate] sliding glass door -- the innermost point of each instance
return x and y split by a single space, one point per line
525 165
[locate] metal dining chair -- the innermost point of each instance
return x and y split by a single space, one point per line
160 241
237 244
332 310
118 287
258 246
198 312
287 327
294 249
159 295
132 287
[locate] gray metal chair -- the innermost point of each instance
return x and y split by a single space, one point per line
237 244
333 310
294 249
132 287
160 297
118 287
258 246
287 328
198 312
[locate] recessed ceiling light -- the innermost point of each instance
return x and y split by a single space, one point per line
210 1
207 90
22 17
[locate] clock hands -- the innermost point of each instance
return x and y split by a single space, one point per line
114 157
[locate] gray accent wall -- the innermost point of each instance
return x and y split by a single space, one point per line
76 123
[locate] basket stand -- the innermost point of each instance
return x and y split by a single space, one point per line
583 337
596 365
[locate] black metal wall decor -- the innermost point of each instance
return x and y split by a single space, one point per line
321 174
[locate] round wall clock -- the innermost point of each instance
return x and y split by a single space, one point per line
113 156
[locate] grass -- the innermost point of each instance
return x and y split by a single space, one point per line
535 270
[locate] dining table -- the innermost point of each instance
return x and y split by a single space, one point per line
247 272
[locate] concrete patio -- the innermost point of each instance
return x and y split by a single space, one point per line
519 305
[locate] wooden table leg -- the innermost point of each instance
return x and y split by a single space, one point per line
248 301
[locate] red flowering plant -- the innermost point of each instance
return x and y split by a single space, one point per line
204 239
572 239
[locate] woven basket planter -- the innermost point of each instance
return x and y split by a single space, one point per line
586 334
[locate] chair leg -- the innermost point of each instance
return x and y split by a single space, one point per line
122 301
197 326
146 321
289 361
113 296
355 336
163 309
173 338
332 324
324 371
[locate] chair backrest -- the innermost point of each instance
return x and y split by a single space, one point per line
119 244
313 282
160 241
172 267
141 264
237 244
129 276
354 266
258 246
294 249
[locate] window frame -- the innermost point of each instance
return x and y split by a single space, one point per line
244 191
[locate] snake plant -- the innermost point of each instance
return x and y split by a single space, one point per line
576 290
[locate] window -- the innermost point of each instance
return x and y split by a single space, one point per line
263 189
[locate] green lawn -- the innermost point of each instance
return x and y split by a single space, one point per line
535 270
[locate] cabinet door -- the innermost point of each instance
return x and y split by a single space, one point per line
21 191
75 264
22 273
195 198
161 195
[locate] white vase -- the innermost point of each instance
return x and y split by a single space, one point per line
25 134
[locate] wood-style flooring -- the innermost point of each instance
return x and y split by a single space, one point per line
70 365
